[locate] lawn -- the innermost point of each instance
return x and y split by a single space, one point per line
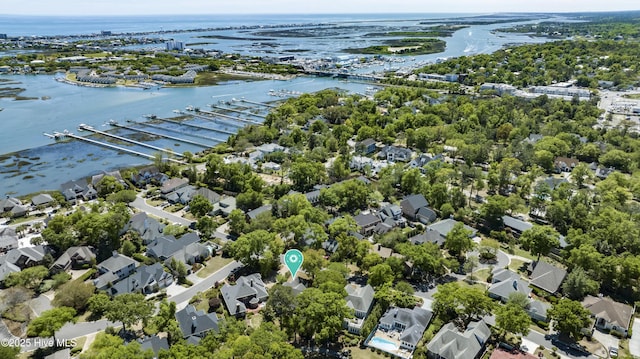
357 353
213 265
516 265
482 274
522 253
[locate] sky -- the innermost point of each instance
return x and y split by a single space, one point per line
155 7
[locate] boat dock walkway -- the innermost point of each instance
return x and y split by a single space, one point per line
217 114
91 129
243 112
256 103
116 124
217 140
197 126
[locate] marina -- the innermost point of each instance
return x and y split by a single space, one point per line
83 127
237 111
178 131
116 124
198 126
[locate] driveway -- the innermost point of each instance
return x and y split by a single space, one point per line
40 304
607 340
140 204
634 341
182 299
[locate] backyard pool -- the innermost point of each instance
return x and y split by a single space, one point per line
383 344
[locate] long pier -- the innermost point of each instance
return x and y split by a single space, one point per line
178 131
108 145
197 126
238 111
209 118
217 114
91 129
256 103
116 124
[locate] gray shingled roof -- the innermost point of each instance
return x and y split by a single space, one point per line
412 203
547 277
245 287
617 314
415 321
116 262
502 290
148 228
516 224
155 343
446 225
196 322
450 343
142 277
166 246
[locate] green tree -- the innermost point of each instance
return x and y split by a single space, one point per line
306 174
513 319
313 261
578 284
237 222
381 274
259 250
74 294
200 206
569 317
540 239
320 314
9 352
107 346
98 303
452 300
29 277
458 241
108 185
281 305
50 321
129 309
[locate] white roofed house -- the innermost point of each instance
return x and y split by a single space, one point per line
360 299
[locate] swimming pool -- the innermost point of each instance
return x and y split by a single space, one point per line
383 344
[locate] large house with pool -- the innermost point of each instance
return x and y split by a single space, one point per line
399 331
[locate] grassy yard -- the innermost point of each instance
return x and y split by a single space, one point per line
522 253
254 320
357 353
155 202
482 274
516 265
213 265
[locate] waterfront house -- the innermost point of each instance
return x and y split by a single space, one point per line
146 280
196 323
114 269
13 206
452 343
609 314
42 199
95 179
79 189
360 299
147 175
248 292
74 258
546 276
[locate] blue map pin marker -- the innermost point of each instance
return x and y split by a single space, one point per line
293 260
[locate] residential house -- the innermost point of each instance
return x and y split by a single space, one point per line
446 225
359 163
187 249
367 222
14 206
546 276
428 236
416 208
313 197
517 226
296 285
224 207
95 179
537 310
210 195
26 257
366 147
146 280
360 299
147 175
248 292
564 164
182 195
155 343
451 343
172 185
553 182
253 214
410 323
396 154
114 269
74 258
79 189
330 246
60 354
196 323
8 239
42 199
383 252
148 228
422 160
609 314
501 287
7 268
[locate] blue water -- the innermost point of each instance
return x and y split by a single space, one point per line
383 344
60 106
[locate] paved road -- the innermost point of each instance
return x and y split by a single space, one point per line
182 299
140 204
564 351
634 341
